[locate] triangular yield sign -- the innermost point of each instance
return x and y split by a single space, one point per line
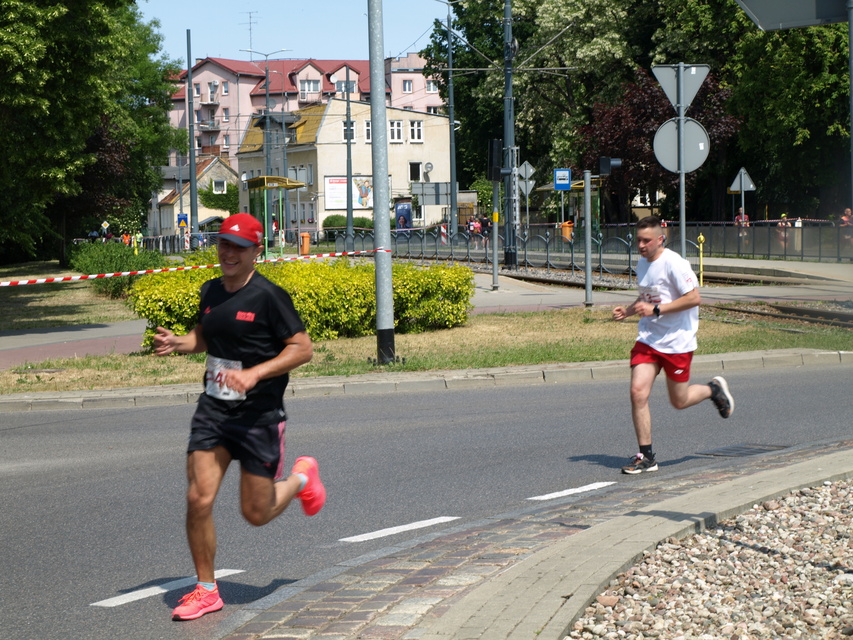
692 78
748 184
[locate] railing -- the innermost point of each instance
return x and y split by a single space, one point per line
612 248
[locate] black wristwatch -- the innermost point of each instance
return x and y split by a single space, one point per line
657 311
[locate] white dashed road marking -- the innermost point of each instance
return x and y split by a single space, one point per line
161 588
394 530
570 492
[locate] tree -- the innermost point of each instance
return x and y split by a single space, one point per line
776 102
77 73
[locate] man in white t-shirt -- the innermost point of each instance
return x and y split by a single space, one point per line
668 306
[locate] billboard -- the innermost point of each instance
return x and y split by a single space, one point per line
336 192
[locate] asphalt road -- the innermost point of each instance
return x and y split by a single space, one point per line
92 501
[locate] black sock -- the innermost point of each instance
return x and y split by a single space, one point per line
646 450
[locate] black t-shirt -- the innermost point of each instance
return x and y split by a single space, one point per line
248 326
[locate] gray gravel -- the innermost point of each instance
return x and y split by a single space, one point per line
780 570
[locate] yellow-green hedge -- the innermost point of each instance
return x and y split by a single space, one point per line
334 299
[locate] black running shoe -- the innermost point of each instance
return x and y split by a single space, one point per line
638 464
721 397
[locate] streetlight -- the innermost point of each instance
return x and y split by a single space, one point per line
267 149
454 208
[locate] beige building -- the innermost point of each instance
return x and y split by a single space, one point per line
227 94
316 152
165 218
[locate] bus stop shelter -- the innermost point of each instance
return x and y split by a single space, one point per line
259 203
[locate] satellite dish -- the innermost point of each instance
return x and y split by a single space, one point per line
333 79
428 167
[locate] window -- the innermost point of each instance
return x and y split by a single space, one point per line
197 116
309 176
416 130
219 186
431 86
224 88
198 143
367 132
408 108
309 86
226 141
414 172
348 130
434 110
407 86
395 131
196 89
226 114
211 140
341 86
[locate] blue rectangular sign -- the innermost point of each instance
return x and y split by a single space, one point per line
562 179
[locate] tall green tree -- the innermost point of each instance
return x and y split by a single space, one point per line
777 102
79 73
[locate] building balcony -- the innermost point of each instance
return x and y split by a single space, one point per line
208 125
309 96
209 100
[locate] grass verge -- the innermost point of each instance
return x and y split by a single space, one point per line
571 335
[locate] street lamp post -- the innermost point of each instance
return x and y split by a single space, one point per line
454 206
267 145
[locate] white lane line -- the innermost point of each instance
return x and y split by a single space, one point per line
162 588
571 492
393 530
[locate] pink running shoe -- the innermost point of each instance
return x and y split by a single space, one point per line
197 603
313 495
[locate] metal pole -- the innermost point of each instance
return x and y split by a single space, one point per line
267 155
193 184
682 200
381 195
587 236
349 239
850 67
493 236
454 207
510 191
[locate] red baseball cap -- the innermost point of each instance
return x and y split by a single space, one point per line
242 229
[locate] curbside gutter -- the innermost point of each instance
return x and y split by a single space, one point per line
456 380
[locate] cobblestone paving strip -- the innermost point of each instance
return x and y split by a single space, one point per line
388 597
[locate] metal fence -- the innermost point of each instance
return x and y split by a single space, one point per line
612 247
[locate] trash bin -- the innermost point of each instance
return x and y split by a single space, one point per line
304 244
567 229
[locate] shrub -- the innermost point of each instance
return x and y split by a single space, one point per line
113 257
334 299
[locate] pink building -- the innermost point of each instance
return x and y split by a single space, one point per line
227 93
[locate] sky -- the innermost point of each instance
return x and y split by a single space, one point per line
321 29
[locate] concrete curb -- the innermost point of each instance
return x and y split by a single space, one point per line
560 581
566 373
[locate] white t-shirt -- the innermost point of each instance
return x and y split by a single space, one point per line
661 281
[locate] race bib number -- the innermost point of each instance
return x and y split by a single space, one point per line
214 379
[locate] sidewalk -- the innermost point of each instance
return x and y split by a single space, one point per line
527 574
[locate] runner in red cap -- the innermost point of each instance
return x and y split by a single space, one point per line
254 338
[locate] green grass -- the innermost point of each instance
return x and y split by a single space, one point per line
487 341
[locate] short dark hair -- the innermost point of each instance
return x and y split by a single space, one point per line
649 222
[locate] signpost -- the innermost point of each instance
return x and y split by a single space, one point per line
562 183
525 185
742 183
681 83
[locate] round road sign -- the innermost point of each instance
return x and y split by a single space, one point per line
697 145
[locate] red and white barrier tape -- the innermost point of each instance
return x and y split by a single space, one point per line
14 283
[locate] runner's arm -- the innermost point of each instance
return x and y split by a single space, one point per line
298 350
166 342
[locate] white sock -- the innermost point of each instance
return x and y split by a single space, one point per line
210 586
303 480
